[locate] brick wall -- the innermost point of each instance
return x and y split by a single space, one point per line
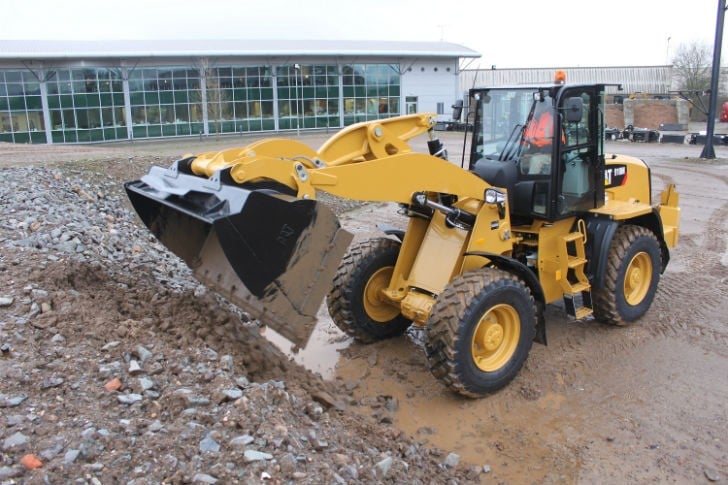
615 116
651 113
648 113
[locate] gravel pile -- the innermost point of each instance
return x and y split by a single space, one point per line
116 366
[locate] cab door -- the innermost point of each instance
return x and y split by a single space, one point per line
578 178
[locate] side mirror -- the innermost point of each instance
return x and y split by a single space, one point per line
457 110
574 109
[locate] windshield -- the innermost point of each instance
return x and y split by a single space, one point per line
504 121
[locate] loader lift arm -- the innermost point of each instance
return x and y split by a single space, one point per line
367 161
274 252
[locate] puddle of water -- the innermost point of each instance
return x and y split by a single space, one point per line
321 354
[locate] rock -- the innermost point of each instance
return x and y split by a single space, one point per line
14 420
6 301
253 455
391 404
15 441
203 478
51 382
209 445
486 468
34 310
327 400
287 463
241 441
451 460
145 383
45 307
91 449
113 385
198 401
381 469
155 368
110 370
242 382
71 456
143 353
7 472
11 402
134 367
232 394
351 471
129 398
58 339
31 462
111 345
50 453
340 459
711 474
226 363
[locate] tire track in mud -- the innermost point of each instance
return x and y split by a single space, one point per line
696 297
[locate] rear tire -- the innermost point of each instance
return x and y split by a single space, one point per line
631 277
355 304
480 331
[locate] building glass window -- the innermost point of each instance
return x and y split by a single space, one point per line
239 99
21 110
371 91
410 104
86 105
165 101
308 96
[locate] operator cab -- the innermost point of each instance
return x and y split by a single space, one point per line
544 145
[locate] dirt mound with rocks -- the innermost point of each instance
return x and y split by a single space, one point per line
117 366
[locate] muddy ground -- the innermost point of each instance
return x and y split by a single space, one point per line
640 404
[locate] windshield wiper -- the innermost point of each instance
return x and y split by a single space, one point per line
512 143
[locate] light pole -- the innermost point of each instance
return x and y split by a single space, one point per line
708 151
667 52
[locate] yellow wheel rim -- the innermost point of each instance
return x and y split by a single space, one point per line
377 307
637 278
496 337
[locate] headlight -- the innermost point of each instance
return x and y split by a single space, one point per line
494 196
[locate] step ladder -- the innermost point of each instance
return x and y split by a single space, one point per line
573 281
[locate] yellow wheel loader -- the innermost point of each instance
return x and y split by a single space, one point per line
538 214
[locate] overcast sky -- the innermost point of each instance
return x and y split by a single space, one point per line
508 33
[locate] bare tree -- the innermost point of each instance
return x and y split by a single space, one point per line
692 64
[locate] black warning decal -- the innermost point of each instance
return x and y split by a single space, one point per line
615 175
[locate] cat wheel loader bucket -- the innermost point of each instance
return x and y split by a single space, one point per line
271 254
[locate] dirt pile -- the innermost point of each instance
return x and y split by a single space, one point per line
117 366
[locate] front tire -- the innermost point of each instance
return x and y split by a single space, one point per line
480 331
631 278
355 303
